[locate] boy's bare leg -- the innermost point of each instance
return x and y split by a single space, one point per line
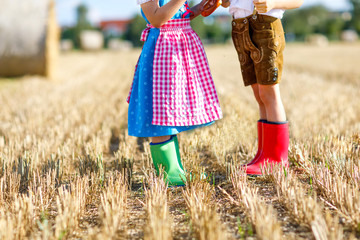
270 96
160 139
262 109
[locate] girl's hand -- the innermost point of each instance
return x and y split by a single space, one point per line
197 9
264 6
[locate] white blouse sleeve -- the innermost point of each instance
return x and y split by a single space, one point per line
143 1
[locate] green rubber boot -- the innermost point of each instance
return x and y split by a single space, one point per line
177 150
167 155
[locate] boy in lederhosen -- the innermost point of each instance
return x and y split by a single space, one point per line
259 40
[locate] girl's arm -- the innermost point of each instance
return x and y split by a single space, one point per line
157 15
198 8
264 6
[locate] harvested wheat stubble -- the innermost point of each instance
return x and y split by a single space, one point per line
158 219
305 209
335 179
29 38
199 197
59 137
260 214
113 209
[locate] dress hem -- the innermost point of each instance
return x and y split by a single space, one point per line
174 131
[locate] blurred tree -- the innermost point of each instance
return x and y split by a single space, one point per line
73 33
334 27
355 22
199 27
314 19
198 23
209 29
82 21
70 34
215 33
134 30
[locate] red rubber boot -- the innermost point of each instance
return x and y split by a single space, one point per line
275 148
260 140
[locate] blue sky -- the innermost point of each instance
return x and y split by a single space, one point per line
123 9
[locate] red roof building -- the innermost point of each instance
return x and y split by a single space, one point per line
114 27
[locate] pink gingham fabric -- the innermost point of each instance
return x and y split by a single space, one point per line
183 89
145 33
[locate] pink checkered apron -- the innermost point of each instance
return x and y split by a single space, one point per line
183 89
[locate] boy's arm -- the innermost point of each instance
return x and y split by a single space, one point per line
264 6
157 15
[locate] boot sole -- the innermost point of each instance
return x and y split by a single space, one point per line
176 186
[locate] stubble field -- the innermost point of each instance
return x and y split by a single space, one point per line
68 169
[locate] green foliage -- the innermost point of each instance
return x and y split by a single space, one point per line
314 19
62 234
250 230
355 21
241 231
215 33
210 29
70 34
134 30
82 21
199 27
305 21
333 28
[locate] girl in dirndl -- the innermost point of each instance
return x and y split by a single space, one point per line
173 90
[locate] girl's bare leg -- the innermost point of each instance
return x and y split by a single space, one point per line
160 139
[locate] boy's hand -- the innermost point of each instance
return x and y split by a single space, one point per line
205 8
264 6
225 3
209 6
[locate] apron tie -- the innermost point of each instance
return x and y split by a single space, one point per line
145 33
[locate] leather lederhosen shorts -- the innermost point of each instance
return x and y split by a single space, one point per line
259 41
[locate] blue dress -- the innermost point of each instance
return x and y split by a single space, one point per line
140 106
